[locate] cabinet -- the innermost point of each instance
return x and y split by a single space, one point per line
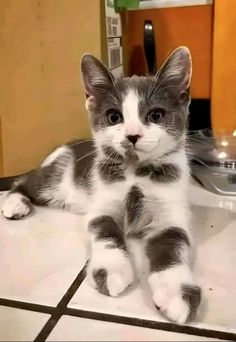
41 95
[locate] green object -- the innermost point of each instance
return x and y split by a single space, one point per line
119 5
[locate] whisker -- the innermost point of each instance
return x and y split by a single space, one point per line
88 169
86 156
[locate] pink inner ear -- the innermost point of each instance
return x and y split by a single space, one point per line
90 102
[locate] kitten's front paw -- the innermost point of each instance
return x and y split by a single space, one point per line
176 301
110 276
16 206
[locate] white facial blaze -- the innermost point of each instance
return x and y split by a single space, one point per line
130 111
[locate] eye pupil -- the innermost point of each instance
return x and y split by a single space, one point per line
114 117
155 115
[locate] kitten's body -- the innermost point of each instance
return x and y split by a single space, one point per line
132 184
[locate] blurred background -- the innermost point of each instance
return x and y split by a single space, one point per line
41 44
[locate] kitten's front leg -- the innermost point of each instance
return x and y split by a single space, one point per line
175 293
162 230
109 269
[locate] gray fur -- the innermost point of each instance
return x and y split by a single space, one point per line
134 204
164 250
170 93
192 296
100 277
137 234
111 153
174 121
105 228
110 172
165 173
34 184
84 154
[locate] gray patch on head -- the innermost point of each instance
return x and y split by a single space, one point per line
164 249
153 95
105 228
134 204
100 278
110 171
192 295
165 173
153 92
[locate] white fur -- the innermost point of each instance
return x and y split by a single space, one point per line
130 110
167 294
55 155
14 206
115 262
65 194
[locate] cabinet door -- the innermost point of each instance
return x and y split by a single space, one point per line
224 67
41 93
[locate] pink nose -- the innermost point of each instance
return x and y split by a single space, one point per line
133 138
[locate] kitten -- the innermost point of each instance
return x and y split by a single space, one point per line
134 186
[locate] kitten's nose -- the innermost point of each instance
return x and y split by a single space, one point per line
133 138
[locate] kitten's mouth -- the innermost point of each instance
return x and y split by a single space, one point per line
130 151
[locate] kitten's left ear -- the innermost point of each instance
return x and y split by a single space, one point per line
95 75
176 72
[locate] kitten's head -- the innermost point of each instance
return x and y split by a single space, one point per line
143 117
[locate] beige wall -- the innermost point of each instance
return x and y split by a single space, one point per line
41 96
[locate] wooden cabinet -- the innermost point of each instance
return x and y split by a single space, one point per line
41 95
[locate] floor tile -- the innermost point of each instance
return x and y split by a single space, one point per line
80 329
215 235
20 325
214 229
40 255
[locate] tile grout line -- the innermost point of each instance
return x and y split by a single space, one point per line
144 323
16 304
61 307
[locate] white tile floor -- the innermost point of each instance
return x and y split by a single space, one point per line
80 329
42 255
20 325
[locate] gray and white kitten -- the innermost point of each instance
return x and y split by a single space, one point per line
134 187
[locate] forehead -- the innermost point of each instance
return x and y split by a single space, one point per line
141 85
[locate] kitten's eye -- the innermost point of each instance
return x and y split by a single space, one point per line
156 115
114 117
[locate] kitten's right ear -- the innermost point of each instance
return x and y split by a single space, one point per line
95 75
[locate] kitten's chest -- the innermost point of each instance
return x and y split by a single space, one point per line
159 181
